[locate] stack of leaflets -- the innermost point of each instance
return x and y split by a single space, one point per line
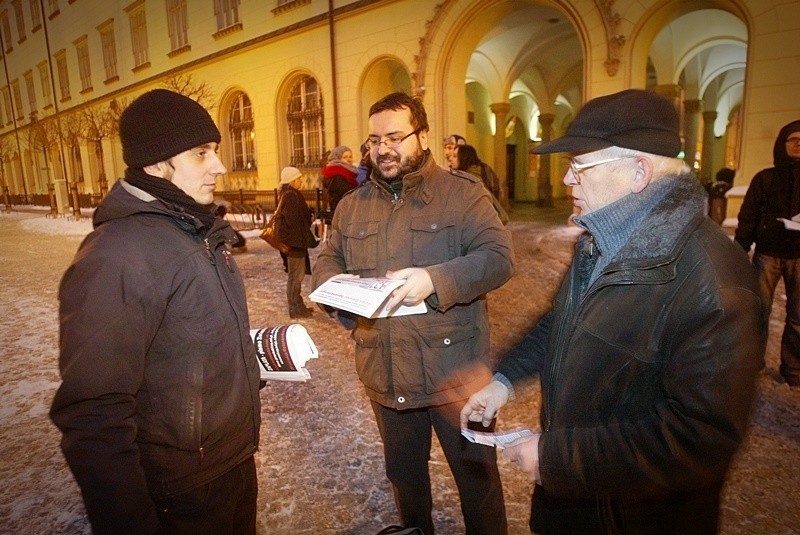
283 352
366 297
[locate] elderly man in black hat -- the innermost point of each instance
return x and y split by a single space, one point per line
649 356
158 404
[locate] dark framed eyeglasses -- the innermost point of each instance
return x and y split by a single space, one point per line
391 142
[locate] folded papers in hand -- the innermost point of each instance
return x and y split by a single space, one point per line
283 352
366 297
497 440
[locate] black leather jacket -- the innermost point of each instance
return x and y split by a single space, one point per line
647 378
159 389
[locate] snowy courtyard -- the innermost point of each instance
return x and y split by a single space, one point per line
320 462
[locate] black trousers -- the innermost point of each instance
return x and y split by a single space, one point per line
226 505
406 439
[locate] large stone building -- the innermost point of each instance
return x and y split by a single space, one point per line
287 80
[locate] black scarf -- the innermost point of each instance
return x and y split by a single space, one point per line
171 195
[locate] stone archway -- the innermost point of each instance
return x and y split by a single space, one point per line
495 62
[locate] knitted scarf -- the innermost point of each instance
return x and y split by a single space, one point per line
171 195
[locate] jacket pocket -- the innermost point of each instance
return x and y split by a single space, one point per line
433 239
449 356
361 245
370 366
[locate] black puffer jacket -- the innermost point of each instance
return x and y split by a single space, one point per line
159 388
647 379
773 193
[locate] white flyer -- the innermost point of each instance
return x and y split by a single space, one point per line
366 297
497 440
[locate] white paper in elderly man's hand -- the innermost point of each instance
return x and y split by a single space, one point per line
497 440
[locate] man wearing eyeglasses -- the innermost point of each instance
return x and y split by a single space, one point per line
649 357
772 198
437 230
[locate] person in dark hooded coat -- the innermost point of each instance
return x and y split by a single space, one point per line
774 195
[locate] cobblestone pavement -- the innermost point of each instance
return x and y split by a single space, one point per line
320 464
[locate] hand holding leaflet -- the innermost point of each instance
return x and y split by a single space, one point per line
366 297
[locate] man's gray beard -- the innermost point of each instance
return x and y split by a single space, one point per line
411 165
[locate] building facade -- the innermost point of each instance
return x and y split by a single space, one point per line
287 80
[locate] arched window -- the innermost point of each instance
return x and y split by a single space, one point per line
243 137
306 126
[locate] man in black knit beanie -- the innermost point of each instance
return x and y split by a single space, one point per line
159 405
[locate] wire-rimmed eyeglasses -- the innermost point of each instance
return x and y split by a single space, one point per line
391 142
576 167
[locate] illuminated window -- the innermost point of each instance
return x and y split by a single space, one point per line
20 16
31 90
36 14
84 67
242 135
17 99
63 74
306 126
109 49
44 79
6 27
227 12
177 24
7 105
138 23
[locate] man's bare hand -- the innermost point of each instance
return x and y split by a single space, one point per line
524 453
417 288
483 405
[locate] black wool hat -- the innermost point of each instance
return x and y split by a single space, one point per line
633 119
160 124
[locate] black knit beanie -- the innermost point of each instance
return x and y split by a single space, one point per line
160 124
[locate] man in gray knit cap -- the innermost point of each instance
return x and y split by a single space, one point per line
649 356
159 404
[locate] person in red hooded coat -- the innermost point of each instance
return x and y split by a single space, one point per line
338 175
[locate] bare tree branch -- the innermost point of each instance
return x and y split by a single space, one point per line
186 85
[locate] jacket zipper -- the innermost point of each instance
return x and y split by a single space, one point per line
209 254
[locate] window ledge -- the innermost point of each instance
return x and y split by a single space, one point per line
111 80
21 40
65 99
288 6
54 14
227 31
141 67
181 50
87 90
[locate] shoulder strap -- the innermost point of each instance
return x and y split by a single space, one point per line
280 203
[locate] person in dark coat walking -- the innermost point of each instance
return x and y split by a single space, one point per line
294 229
466 159
158 403
774 195
649 356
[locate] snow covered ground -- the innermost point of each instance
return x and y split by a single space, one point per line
320 464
